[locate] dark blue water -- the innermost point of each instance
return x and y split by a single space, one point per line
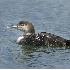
46 15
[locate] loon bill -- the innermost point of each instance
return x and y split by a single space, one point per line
40 39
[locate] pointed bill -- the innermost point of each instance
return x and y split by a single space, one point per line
14 26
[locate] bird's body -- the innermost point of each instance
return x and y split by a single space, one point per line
40 39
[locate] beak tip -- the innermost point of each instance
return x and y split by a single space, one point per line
8 26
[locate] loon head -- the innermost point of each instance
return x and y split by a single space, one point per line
26 27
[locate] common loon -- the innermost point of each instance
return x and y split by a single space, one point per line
40 39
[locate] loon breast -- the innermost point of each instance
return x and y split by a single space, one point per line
20 39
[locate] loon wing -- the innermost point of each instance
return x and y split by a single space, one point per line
44 39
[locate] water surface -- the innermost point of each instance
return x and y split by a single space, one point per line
52 16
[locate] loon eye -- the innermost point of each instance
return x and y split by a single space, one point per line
22 24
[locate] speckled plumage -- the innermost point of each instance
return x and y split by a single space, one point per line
43 39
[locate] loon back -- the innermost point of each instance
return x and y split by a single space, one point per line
44 39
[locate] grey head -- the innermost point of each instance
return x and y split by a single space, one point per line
26 27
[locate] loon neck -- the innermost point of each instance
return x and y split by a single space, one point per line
29 33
